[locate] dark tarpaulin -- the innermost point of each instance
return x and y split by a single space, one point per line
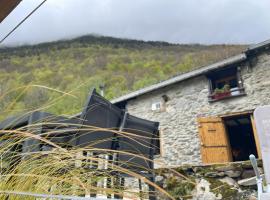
34 126
140 137
98 113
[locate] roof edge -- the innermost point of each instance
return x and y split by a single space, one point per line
7 6
182 77
257 46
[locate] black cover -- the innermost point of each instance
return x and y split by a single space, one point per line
38 123
61 130
141 141
14 122
98 112
34 127
141 137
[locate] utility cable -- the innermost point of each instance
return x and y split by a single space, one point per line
21 22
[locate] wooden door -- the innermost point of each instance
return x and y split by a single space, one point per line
215 146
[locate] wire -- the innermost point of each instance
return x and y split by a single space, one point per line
21 22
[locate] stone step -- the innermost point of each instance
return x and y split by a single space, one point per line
249 181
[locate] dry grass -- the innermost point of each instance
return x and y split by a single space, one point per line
59 170
64 171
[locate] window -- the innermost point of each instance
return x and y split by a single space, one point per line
225 83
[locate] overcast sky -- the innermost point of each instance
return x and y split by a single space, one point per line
178 21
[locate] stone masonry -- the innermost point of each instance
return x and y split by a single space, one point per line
234 181
180 142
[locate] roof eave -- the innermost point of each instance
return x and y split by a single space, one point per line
6 7
182 77
258 46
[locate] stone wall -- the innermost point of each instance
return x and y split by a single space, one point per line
230 181
188 101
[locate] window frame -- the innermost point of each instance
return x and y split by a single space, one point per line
239 91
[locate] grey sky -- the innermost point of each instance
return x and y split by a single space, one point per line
180 21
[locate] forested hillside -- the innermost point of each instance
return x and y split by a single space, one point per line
77 65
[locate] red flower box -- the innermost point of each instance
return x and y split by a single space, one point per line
221 95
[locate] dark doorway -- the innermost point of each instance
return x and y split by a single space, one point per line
241 137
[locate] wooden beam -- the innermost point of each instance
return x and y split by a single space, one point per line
6 6
249 112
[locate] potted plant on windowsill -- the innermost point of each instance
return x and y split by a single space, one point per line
222 93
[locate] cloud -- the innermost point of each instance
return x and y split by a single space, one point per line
185 21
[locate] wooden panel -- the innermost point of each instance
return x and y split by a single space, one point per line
215 155
213 134
215 146
237 114
256 136
6 6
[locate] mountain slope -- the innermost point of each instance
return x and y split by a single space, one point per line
83 63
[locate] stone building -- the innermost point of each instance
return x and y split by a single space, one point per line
206 115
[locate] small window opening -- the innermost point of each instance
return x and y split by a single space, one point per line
241 137
225 83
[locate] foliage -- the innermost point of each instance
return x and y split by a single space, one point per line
59 167
225 89
78 65
57 77
179 188
58 170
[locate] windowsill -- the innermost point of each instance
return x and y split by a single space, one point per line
241 93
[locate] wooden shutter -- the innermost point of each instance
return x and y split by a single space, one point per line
256 136
215 146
